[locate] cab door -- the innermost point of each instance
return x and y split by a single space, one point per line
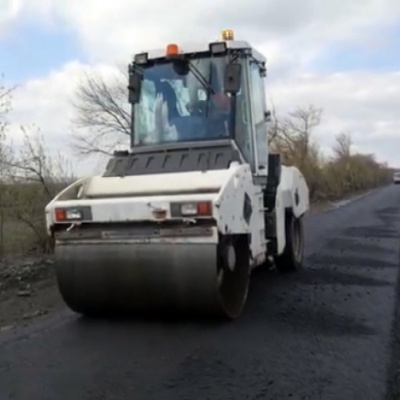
258 116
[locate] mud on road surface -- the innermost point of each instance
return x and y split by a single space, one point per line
323 333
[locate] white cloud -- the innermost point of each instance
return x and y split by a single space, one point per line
114 30
291 34
10 10
46 102
364 104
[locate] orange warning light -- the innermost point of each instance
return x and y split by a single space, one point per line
172 50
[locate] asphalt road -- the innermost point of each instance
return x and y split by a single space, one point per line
324 333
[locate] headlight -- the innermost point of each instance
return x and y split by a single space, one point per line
73 214
141 59
191 209
218 48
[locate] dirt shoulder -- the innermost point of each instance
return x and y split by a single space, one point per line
28 289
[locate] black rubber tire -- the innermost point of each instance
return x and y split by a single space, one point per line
291 259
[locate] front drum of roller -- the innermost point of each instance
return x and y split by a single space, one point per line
113 279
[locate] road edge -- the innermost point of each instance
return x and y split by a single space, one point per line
330 206
393 369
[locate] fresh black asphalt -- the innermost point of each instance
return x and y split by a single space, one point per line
327 332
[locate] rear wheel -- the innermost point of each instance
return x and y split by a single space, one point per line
292 257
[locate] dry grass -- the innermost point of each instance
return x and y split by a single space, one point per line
16 237
22 220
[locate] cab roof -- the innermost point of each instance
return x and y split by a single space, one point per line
199 47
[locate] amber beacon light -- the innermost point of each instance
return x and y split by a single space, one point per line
172 50
227 34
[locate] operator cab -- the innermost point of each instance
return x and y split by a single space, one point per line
201 96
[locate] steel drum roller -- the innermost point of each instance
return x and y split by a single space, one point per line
145 278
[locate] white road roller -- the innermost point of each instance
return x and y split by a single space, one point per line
181 217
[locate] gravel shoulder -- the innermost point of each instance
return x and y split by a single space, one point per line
28 291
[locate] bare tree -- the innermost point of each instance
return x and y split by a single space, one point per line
5 107
102 116
300 124
33 179
291 135
274 127
342 146
29 178
5 100
32 163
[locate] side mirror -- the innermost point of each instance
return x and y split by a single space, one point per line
267 116
134 86
233 78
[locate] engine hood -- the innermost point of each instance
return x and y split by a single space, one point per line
157 184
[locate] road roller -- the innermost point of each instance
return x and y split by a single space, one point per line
193 203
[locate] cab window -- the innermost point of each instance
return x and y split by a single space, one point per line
258 104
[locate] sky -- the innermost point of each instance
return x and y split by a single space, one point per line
341 56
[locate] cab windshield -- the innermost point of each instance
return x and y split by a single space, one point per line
176 106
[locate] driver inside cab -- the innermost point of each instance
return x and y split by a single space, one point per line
219 114
212 105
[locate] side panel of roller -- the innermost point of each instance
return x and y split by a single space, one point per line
292 193
240 210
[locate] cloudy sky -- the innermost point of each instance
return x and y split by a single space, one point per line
342 56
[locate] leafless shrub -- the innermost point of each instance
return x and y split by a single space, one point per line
102 117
